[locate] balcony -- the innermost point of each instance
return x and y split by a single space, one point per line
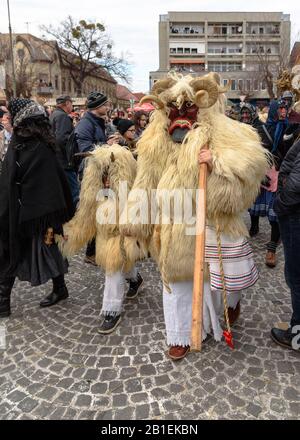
225 54
186 31
187 55
226 37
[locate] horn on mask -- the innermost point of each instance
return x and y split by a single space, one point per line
152 98
162 85
206 92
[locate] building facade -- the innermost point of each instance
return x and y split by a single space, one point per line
237 45
41 75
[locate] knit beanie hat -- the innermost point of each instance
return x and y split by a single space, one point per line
95 100
22 108
124 125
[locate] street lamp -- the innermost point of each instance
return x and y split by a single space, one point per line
12 54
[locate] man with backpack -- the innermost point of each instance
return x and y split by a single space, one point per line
63 129
91 131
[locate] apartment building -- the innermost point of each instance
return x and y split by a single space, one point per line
237 45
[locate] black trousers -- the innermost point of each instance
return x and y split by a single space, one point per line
91 248
7 283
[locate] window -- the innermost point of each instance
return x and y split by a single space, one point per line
70 85
255 85
248 85
194 51
179 49
241 84
233 84
187 50
263 85
56 82
43 80
21 54
172 50
63 84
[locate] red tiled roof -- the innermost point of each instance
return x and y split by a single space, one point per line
139 96
295 54
123 93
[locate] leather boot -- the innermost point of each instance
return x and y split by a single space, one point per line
271 259
177 352
6 286
55 296
233 314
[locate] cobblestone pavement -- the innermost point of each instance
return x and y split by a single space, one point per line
56 366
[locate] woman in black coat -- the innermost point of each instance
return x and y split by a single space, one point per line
35 201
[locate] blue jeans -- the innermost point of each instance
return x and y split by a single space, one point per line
290 235
74 185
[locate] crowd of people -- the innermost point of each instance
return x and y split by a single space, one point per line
46 182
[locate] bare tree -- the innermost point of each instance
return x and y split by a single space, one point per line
270 68
24 72
270 65
85 49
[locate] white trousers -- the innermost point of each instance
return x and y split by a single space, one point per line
178 311
114 291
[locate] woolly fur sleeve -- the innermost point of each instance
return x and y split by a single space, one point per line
239 165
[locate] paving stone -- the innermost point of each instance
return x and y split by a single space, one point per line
27 405
292 394
83 400
133 385
58 367
16 396
142 412
148 370
48 393
119 400
99 388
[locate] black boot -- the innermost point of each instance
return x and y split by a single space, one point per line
58 293
6 286
254 226
134 287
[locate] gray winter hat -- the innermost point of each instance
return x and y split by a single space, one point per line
22 108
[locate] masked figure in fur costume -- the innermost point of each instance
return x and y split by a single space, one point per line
190 113
97 216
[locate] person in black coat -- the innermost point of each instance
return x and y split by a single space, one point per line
287 208
35 201
62 126
90 131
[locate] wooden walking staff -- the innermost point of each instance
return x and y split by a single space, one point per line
197 308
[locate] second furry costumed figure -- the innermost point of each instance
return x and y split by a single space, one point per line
105 169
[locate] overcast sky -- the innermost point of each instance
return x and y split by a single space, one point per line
132 24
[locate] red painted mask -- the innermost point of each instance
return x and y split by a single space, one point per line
182 119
